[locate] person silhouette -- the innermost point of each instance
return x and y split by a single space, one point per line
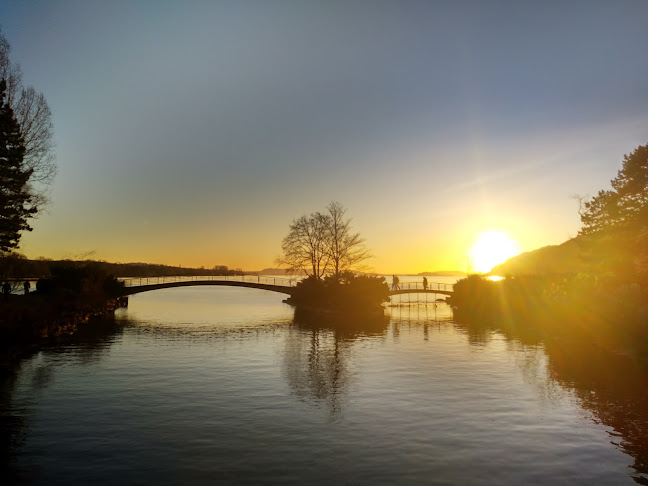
395 283
6 290
425 283
26 286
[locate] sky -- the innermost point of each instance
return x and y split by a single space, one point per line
192 133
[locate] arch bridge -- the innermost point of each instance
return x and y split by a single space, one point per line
272 284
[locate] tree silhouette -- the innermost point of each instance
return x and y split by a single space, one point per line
304 248
35 121
626 205
346 249
323 243
17 203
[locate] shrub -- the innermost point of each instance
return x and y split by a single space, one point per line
71 280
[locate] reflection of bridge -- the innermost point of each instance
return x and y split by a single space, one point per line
272 284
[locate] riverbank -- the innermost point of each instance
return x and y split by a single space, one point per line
584 308
28 321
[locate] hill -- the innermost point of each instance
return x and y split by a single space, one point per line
554 259
618 252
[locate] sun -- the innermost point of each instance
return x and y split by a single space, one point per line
491 248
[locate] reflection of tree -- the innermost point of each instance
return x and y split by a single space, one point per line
12 423
90 343
613 386
318 352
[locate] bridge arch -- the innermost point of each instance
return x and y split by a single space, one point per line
136 289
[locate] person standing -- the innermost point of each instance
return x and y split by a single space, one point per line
6 290
26 287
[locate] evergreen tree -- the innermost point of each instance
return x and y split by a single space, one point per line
626 205
17 203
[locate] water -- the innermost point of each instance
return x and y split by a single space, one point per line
209 385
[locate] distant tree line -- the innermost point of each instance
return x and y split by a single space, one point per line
16 266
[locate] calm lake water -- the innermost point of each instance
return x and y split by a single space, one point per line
208 385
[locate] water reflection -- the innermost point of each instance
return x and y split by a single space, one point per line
612 386
405 382
12 424
88 345
318 354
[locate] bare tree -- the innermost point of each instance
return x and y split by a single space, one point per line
35 120
9 71
322 244
345 248
305 248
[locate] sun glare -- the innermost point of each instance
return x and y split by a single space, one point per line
491 248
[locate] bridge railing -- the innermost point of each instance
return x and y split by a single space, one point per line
282 281
141 281
431 286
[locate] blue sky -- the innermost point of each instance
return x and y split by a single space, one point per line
194 132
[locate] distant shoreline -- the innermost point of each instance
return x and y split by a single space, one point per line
441 273
25 268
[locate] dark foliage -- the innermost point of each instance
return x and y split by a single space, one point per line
346 292
69 298
72 280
